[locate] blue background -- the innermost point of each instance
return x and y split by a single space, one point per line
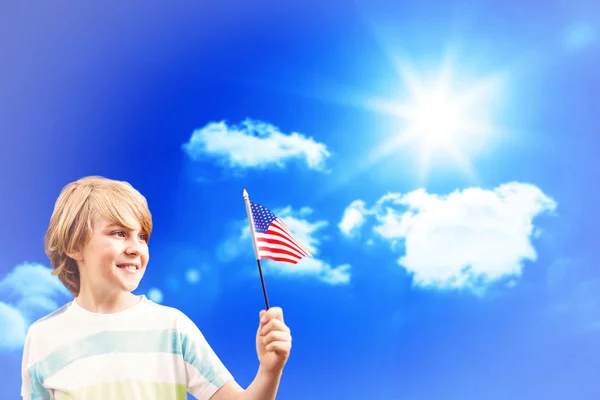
117 89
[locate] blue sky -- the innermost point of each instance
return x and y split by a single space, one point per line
438 160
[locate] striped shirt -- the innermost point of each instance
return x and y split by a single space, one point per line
149 352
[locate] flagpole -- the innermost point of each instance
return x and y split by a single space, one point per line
255 244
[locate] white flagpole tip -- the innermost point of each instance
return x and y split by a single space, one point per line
245 194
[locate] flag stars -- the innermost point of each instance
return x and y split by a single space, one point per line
262 217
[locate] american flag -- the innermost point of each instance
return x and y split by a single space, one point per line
273 239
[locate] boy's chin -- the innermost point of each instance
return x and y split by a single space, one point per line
129 286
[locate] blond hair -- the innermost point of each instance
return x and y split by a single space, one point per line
70 225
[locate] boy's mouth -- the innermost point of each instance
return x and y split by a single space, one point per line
129 267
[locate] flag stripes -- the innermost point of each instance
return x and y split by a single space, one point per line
274 239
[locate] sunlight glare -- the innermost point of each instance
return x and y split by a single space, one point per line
434 116
439 120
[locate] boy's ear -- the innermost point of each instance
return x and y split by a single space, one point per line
75 255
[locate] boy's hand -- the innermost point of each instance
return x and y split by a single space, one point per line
273 341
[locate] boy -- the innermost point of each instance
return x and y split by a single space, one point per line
109 344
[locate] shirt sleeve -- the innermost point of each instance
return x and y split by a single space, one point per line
205 373
31 386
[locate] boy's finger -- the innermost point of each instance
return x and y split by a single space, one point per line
274 325
277 336
282 348
273 312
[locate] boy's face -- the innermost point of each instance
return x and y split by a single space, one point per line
115 258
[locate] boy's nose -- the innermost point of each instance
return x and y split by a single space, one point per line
133 248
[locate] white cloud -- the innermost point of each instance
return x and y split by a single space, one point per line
254 144
31 279
466 239
311 267
14 328
28 292
338 275
155 295
34 305
353 218
309 233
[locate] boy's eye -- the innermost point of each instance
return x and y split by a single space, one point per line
122 234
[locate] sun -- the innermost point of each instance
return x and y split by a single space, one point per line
441 119
435 118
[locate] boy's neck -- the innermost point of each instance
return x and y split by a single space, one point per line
106 304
